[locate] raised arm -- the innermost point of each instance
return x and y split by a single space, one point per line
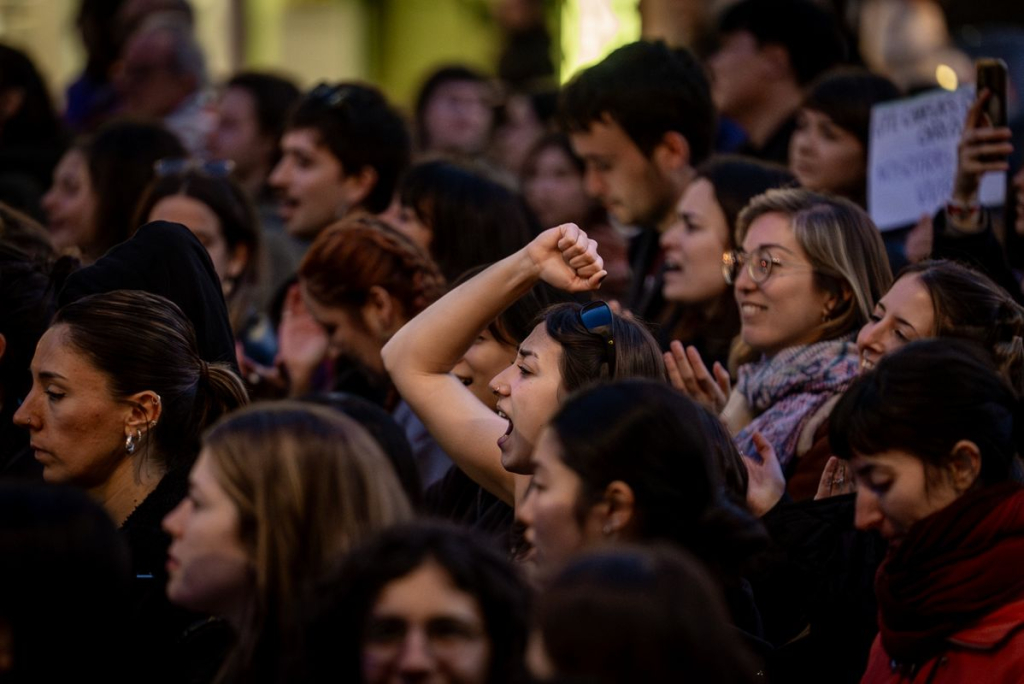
420 356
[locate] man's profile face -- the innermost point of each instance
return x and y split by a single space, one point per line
311 183
629 184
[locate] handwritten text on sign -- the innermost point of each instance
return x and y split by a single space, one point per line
912 157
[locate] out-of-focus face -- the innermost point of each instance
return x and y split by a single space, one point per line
825 157
486 358
693 246
629 185
555 190
148 83
736 74
70 204
348 333
209 569
77 428
906 313
550 510
528 395
423 628
521 128
895 490
204 224
311 183
411 226
236 134
787 309
458 117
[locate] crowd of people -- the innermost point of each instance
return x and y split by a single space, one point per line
609 382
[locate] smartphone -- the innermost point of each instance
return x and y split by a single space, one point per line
992 76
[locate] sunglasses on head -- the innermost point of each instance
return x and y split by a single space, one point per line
597 319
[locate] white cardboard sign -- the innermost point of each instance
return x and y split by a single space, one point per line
912 157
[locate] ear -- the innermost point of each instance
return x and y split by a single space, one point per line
620 508
775 61
3 345
965 465
672 152
835 302
356 186
146 409
381 313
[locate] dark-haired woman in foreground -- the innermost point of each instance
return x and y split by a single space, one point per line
934 455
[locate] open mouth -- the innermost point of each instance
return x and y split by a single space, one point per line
866 364
508 430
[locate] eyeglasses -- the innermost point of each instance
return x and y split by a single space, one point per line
597 318
332 96
176 166
759 265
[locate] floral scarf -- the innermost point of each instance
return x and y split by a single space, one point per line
785 391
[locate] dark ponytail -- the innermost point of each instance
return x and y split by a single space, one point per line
142 341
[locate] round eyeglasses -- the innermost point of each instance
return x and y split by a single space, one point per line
759 265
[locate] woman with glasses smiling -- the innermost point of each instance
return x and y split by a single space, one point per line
806 279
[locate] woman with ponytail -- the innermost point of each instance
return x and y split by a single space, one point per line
119 398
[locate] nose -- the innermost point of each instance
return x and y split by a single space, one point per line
670 238
279 176
870 337
524 511
172 521
499 384
868 514
416 656
743 282
592 183
24 416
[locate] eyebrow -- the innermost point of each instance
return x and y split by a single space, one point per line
50 375
904 321
528 352
772 245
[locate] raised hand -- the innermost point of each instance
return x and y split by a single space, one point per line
567 259
766 482
302 342
687 373
836 479
982 149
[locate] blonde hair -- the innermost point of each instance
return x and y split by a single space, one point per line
309 483
845 250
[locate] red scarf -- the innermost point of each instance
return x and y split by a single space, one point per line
954 567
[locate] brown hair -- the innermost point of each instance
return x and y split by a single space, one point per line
637 354
843 246
355 254
968 305
309 483
142 341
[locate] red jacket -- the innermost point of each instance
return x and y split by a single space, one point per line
991 651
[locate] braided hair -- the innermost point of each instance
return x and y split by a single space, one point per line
357 253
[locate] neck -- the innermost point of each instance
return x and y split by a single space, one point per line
677 182
761 121
127 487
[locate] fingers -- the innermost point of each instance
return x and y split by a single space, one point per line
766 451
707 384
672 368
836 479
687 379
723 379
